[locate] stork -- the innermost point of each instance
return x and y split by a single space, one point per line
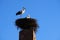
21 12
28 16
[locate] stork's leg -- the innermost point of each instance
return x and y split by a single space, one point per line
20 16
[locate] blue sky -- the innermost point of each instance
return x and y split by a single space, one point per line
47 13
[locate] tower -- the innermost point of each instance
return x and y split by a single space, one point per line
28 28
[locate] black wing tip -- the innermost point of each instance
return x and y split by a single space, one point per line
18 13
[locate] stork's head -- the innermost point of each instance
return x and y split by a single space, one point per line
23 8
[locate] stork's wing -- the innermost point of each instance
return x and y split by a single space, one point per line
18 13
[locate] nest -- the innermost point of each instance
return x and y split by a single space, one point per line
26 23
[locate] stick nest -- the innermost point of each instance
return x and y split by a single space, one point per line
26 23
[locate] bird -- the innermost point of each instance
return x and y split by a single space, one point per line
21 12
28 16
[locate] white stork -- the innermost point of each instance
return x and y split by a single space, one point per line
28 16
21 12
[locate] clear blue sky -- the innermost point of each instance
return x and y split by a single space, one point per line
47 13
